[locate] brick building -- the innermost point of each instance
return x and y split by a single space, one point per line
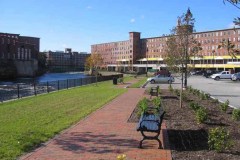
22 50
140 54
62 61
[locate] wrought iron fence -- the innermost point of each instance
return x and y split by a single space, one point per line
16 91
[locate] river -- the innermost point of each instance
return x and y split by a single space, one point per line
48 77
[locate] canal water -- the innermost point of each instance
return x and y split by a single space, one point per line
48 77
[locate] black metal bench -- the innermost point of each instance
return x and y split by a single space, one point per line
154 91
151 122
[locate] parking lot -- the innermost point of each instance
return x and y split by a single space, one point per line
222 90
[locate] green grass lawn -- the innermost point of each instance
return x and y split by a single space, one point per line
26 123
140 83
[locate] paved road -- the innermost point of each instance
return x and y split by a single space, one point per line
222 90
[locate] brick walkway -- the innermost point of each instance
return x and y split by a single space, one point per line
103 135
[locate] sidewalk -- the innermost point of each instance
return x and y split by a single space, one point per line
104 135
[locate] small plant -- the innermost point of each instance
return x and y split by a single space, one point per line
121 157
156 102
142 105
190 89
194 106
224 106
177 92
184 96
215 100
236 114
219 139
207 95
196 92
170 88
203 96
201 115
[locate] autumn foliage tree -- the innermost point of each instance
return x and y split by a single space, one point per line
93 63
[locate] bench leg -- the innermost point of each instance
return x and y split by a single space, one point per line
160 144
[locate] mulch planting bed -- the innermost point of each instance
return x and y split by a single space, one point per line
188 139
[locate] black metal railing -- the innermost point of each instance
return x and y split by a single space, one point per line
16 91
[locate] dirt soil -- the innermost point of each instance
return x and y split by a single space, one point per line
188 139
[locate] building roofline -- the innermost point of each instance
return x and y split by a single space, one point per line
30 37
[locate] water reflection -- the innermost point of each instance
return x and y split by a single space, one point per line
48 77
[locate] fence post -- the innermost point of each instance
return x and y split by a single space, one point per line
47 87
58 85
34 87
18 91
67 83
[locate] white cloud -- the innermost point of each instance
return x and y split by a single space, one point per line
89 7
132 20
232 25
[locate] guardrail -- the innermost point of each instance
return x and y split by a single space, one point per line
17 91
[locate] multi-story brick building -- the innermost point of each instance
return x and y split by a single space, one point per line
22 50
66 61
140 54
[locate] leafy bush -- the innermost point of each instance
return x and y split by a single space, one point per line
236 114
194 106
156 102
203 96
190 89
224 106
184 96
196 92
201 115
177 92
142 105
215 100
219 139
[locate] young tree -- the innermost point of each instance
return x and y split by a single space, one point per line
185 41
93 62
180 46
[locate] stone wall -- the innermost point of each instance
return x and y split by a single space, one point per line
26 68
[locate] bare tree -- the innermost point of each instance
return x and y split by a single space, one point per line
235 3
180 46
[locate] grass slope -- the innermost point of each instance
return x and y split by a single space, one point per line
28 122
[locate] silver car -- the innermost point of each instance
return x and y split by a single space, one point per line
161 78
236 77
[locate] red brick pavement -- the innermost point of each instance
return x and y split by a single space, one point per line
104 135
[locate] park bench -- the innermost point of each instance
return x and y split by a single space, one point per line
151 122
154 91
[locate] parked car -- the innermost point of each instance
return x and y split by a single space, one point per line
222 75
165 72
161 78
236 77
208 73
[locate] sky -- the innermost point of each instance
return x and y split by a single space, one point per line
78 24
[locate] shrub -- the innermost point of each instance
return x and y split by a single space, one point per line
215 100
219 139
196 92
207 95
184 96
190 89
203 96
194 106
224 106
201 115
177 92
142 105
170 88
236 114
156 102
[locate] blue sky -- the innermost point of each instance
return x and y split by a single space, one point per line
79 23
